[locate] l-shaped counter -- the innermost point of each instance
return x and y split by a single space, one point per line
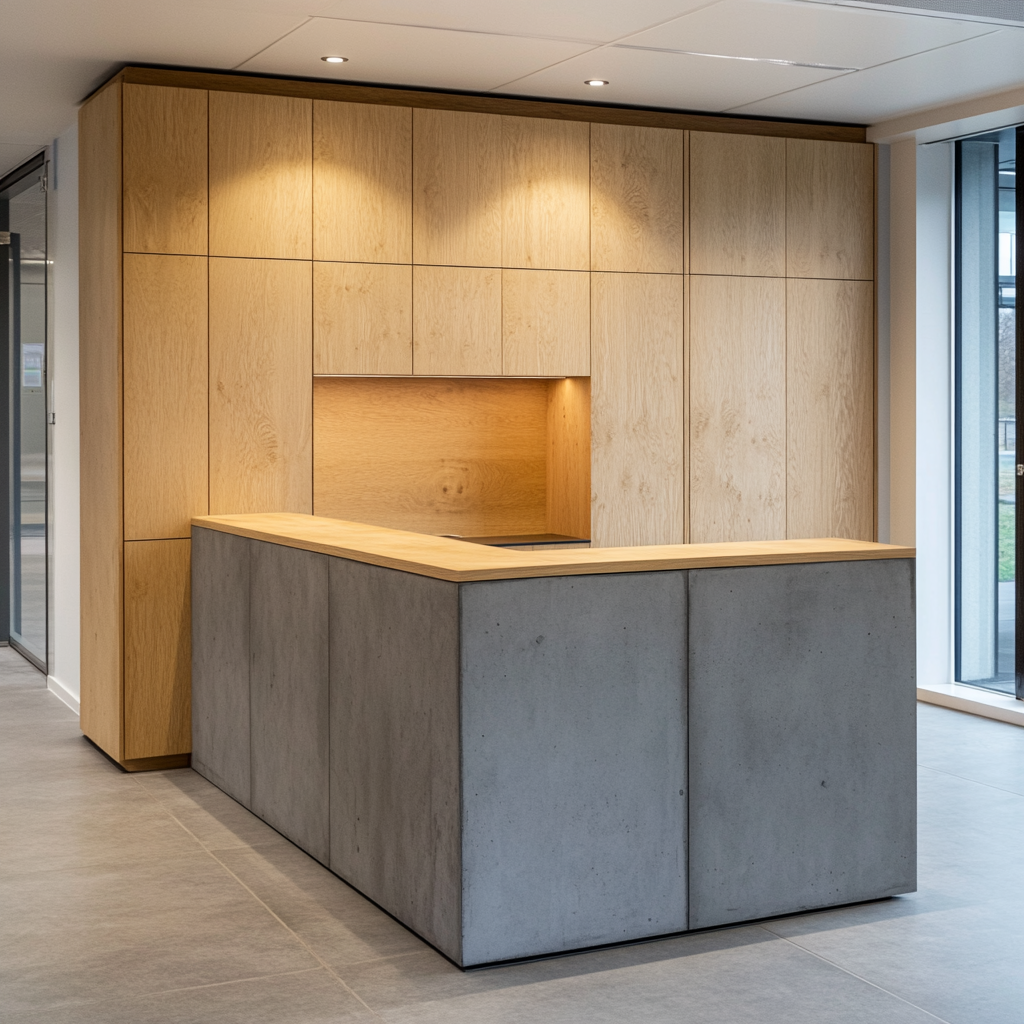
523 753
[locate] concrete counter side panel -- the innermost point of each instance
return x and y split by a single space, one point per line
802 737
220 661
289 693
573 762
395 745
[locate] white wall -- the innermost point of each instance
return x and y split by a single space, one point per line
63 679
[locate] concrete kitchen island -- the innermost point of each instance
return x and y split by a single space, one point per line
522 753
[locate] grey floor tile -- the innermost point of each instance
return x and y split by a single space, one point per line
339 924
726 977
308 997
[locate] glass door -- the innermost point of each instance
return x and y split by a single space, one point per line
23 228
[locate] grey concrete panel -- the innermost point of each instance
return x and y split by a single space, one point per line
220 661
574 762
290 700
395 745
802 737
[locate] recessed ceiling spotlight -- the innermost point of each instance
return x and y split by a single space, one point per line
595 81
335 60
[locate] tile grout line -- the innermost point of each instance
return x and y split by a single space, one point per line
852 974
298 938
222 984
974 782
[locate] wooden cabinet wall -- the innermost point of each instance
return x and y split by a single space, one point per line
703 301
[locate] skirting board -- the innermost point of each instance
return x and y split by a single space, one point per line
974 701
59 690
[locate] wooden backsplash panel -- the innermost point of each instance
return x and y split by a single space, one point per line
436 456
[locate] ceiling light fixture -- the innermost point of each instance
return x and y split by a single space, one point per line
335 60
732 56
595 81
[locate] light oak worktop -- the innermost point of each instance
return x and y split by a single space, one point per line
461 562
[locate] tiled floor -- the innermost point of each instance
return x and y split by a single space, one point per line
135 899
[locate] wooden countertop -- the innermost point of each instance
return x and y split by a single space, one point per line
463 562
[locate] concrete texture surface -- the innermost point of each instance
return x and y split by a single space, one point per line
802 737
573 762
220 661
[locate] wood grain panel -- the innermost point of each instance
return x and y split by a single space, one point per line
637 460
362 182
456 321
568 483
166 473
165 170
261 371
490 104
436 456
545 323
830 403
737 205
456 188
545 188
157 649
261 176
99 164
636 221
362 318
830 209
737 409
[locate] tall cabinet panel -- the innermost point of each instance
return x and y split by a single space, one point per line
636 180
362 182
737 409
261 386
165 186
261 176
456 188
830 398
637 412
166 476
737 204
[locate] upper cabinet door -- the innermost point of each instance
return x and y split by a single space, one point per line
362 182
545 184
636 180
456 188
261 176
737 205
164 167
830 210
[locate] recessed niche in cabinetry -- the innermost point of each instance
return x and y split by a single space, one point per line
472 457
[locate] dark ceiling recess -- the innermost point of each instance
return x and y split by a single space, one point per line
1011 11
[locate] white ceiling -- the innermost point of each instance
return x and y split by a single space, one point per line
872 65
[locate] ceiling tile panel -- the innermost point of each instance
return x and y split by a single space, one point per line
975 67
843 36
598 20
398 54
655 79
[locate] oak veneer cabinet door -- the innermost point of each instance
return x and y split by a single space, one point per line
166 446
830 209
261 176
636 181
830 400
102 519
637 410
261 380
737 204
545 188
362 318
737 376
157 649
165 170
456 208
362 182
456 321
545 323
